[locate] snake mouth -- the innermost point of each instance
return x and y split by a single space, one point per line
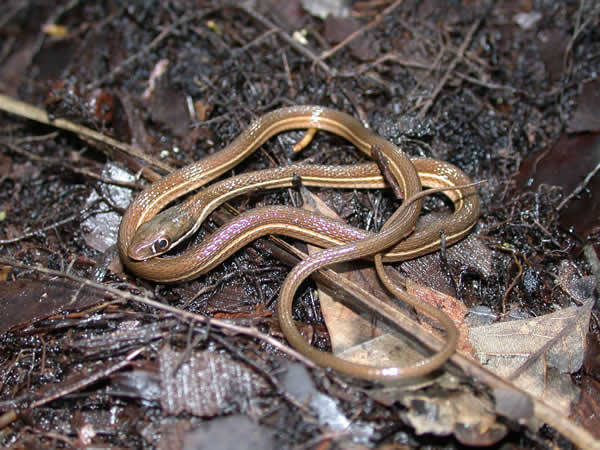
141 249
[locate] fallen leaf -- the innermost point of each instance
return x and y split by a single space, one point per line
505 346
205 384
230 433
170 435
289 13
581 154
139 384
553 44
26 301
471 253
587 112
15 65
361 339
557 342
591 362
579 288
585 411
451 410
103 228
450 305
339 28
463 414
346 328
298 383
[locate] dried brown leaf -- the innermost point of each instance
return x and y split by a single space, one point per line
469 417
556 340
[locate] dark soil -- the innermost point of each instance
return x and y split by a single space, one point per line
511 102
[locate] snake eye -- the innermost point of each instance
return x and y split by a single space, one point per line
161 244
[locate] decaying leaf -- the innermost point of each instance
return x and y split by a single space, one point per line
361 339
346 328
25 301
585 411
298 383
228 433
550 346
587 113
205 384
469 417
503 347
102 229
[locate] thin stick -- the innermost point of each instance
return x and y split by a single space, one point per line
152 45
459 55
40 231
296 45
376 21
580 187
223 324
81 171
574 432
28 111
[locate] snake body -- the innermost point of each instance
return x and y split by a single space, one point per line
144 231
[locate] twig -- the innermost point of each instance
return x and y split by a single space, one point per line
568 327
238 51
288 74
40 231
485 84
286 37
545 413
92 378
433 67
23 109
247 331
79 170
152 45
79 384
459 55
580 187
372 24
577 434
384 58
579 27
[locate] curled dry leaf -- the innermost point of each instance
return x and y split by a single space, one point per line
537 352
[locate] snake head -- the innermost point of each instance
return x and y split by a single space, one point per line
160 234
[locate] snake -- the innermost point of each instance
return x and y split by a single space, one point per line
146 232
